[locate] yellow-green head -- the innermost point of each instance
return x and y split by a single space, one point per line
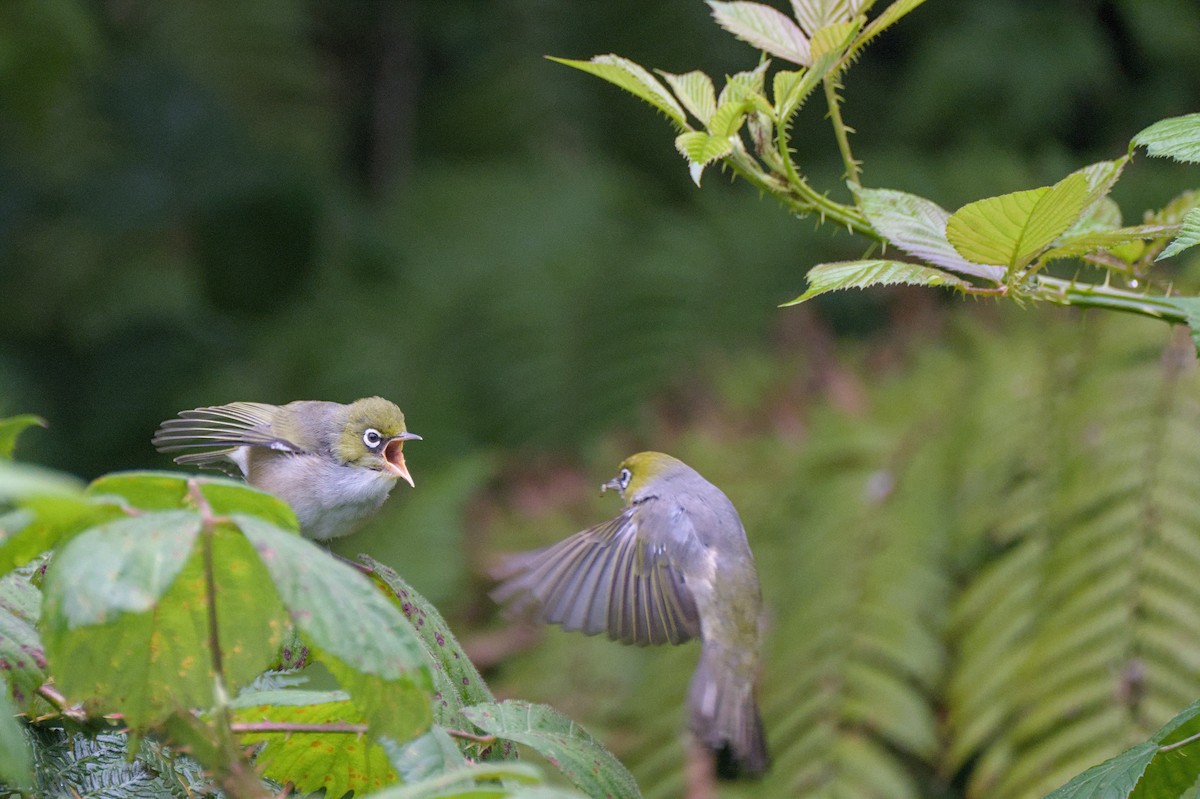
372 436
641 472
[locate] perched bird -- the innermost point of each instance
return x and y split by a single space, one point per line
674 565
334 464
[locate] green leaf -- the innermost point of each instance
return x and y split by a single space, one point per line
832 40
124 566
861 274
791 89
918 226
336 761
20 481
695 90
1113 778
456 681
16 759
116 641
361 637
1176 137
1189 235
890 16
747 85
429 755
1189 307
465 783
22 656
589 766
12 427
1012 229
1103 240
701 149
763 27
634 79
44 522
154 490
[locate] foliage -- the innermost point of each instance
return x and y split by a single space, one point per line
167 596
977 578
999 246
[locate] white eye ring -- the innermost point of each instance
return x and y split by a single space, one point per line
623 478
372 438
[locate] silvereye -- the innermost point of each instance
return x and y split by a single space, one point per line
672 566
334 464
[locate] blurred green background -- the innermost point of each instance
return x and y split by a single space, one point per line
272 200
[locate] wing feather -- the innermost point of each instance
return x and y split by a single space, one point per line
219 431
604 579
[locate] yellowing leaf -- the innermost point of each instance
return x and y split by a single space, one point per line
1013 229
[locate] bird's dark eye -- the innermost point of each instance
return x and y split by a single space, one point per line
372 438
623 478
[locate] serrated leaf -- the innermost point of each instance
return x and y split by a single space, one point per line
747 85
336 761
1189 235
1113 778
456 681
918 226
634 79
832 40
890 16
763 27
361 637
861 274
813 15
1176 137
701 149
792 89
1101 177
695 90
589 766
16 759
11 427
151 663
1102 240
1013 229
22 656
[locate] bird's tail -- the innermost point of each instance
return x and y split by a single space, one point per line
724 717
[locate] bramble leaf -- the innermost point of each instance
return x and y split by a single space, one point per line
589 766
695 90
765 28
861 274
1176 137
1189 235
634 79
1013 229
12 427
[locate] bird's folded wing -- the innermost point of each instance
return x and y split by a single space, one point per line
219 430
605 579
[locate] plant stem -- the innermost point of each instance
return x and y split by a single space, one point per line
840 131
486 740
1180 744
243 727
1094 295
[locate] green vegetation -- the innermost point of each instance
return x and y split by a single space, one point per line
978 565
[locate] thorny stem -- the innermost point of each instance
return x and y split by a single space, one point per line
1180 744
840 131
291 726
486 740
60 703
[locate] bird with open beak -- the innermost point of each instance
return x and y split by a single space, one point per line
334 464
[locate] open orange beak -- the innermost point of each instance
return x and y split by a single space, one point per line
393 456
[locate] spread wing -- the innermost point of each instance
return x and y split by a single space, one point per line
218 432
609 579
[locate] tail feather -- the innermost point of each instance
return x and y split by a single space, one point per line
725 718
